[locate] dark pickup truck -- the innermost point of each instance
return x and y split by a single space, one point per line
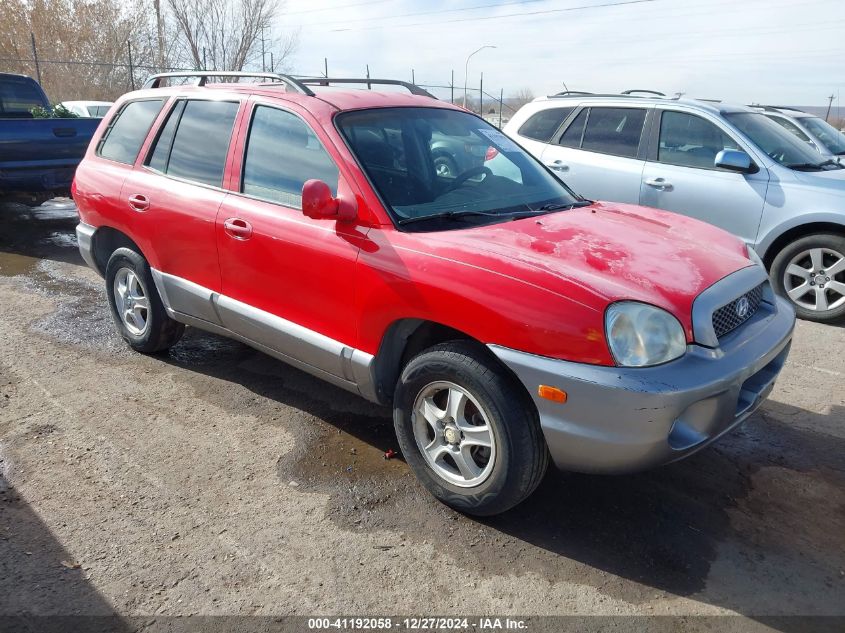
38 157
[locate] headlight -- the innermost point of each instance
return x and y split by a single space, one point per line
641 335
753 256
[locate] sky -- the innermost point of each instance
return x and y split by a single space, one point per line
740 51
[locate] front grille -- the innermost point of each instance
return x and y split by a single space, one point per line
728 318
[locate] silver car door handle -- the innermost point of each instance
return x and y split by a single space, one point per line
659 183
557 165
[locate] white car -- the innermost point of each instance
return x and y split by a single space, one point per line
813 130
88 109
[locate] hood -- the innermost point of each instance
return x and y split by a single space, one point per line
831 178
604 253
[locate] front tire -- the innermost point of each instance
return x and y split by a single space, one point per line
468 430
136 308
810 272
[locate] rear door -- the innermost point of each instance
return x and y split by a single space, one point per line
288 280
601 153
680 175
174 193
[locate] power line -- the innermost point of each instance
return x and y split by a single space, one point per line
438 11
339 6
507 15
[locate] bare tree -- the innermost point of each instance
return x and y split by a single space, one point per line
229 34
523 96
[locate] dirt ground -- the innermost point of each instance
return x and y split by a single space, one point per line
216 480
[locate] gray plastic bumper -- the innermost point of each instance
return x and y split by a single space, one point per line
620 419
85 239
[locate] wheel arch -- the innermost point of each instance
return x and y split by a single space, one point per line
106 241
791 234
405 338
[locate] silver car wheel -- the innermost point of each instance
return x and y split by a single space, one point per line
454 435
130 300
815 279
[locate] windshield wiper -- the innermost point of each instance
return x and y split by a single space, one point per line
560 206
450 215
814 166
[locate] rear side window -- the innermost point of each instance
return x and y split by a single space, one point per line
575 132
282 153
542 125
126 133
614 131
195 140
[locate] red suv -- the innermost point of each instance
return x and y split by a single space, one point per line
505 318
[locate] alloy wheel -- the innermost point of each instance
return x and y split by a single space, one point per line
815 279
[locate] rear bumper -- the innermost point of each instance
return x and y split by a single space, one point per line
620 420
85 239
32 178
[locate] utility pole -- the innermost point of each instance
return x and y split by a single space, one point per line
131 67
481 96
35 56
369 85
272 63
263 54
501 103
326 66
829 104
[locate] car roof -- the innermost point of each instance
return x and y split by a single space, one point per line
87 103
715 107
337 99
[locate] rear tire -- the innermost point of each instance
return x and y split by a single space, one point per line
136 307
810 272
468 430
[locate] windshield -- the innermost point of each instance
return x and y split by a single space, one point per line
831 138
779 144
432 164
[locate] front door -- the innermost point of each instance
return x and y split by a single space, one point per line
287 279
681 176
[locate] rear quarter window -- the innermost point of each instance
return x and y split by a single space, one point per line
123 138
542 125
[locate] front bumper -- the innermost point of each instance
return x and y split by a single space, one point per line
619 419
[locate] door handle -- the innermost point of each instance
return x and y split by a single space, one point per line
557 165
139 202
237 228
659 183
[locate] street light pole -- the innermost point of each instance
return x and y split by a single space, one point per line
466 69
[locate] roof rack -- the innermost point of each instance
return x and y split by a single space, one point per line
650 92
774 108
571 92
327 81
201 78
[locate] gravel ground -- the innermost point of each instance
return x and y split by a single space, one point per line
215 480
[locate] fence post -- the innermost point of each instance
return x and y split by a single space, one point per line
369 85
35 57
326 66
413 79
501 103
481 96
131 67
452 86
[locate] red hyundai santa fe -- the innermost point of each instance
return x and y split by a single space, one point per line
504 318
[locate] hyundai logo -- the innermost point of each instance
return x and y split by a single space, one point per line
742 307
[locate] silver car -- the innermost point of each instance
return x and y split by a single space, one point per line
813 130
728 165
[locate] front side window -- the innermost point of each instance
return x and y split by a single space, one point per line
833 139
195 140
123 139
690 141
542 125
777 143
614 131
282 154
398 149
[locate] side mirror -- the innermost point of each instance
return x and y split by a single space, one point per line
734 160
319 204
